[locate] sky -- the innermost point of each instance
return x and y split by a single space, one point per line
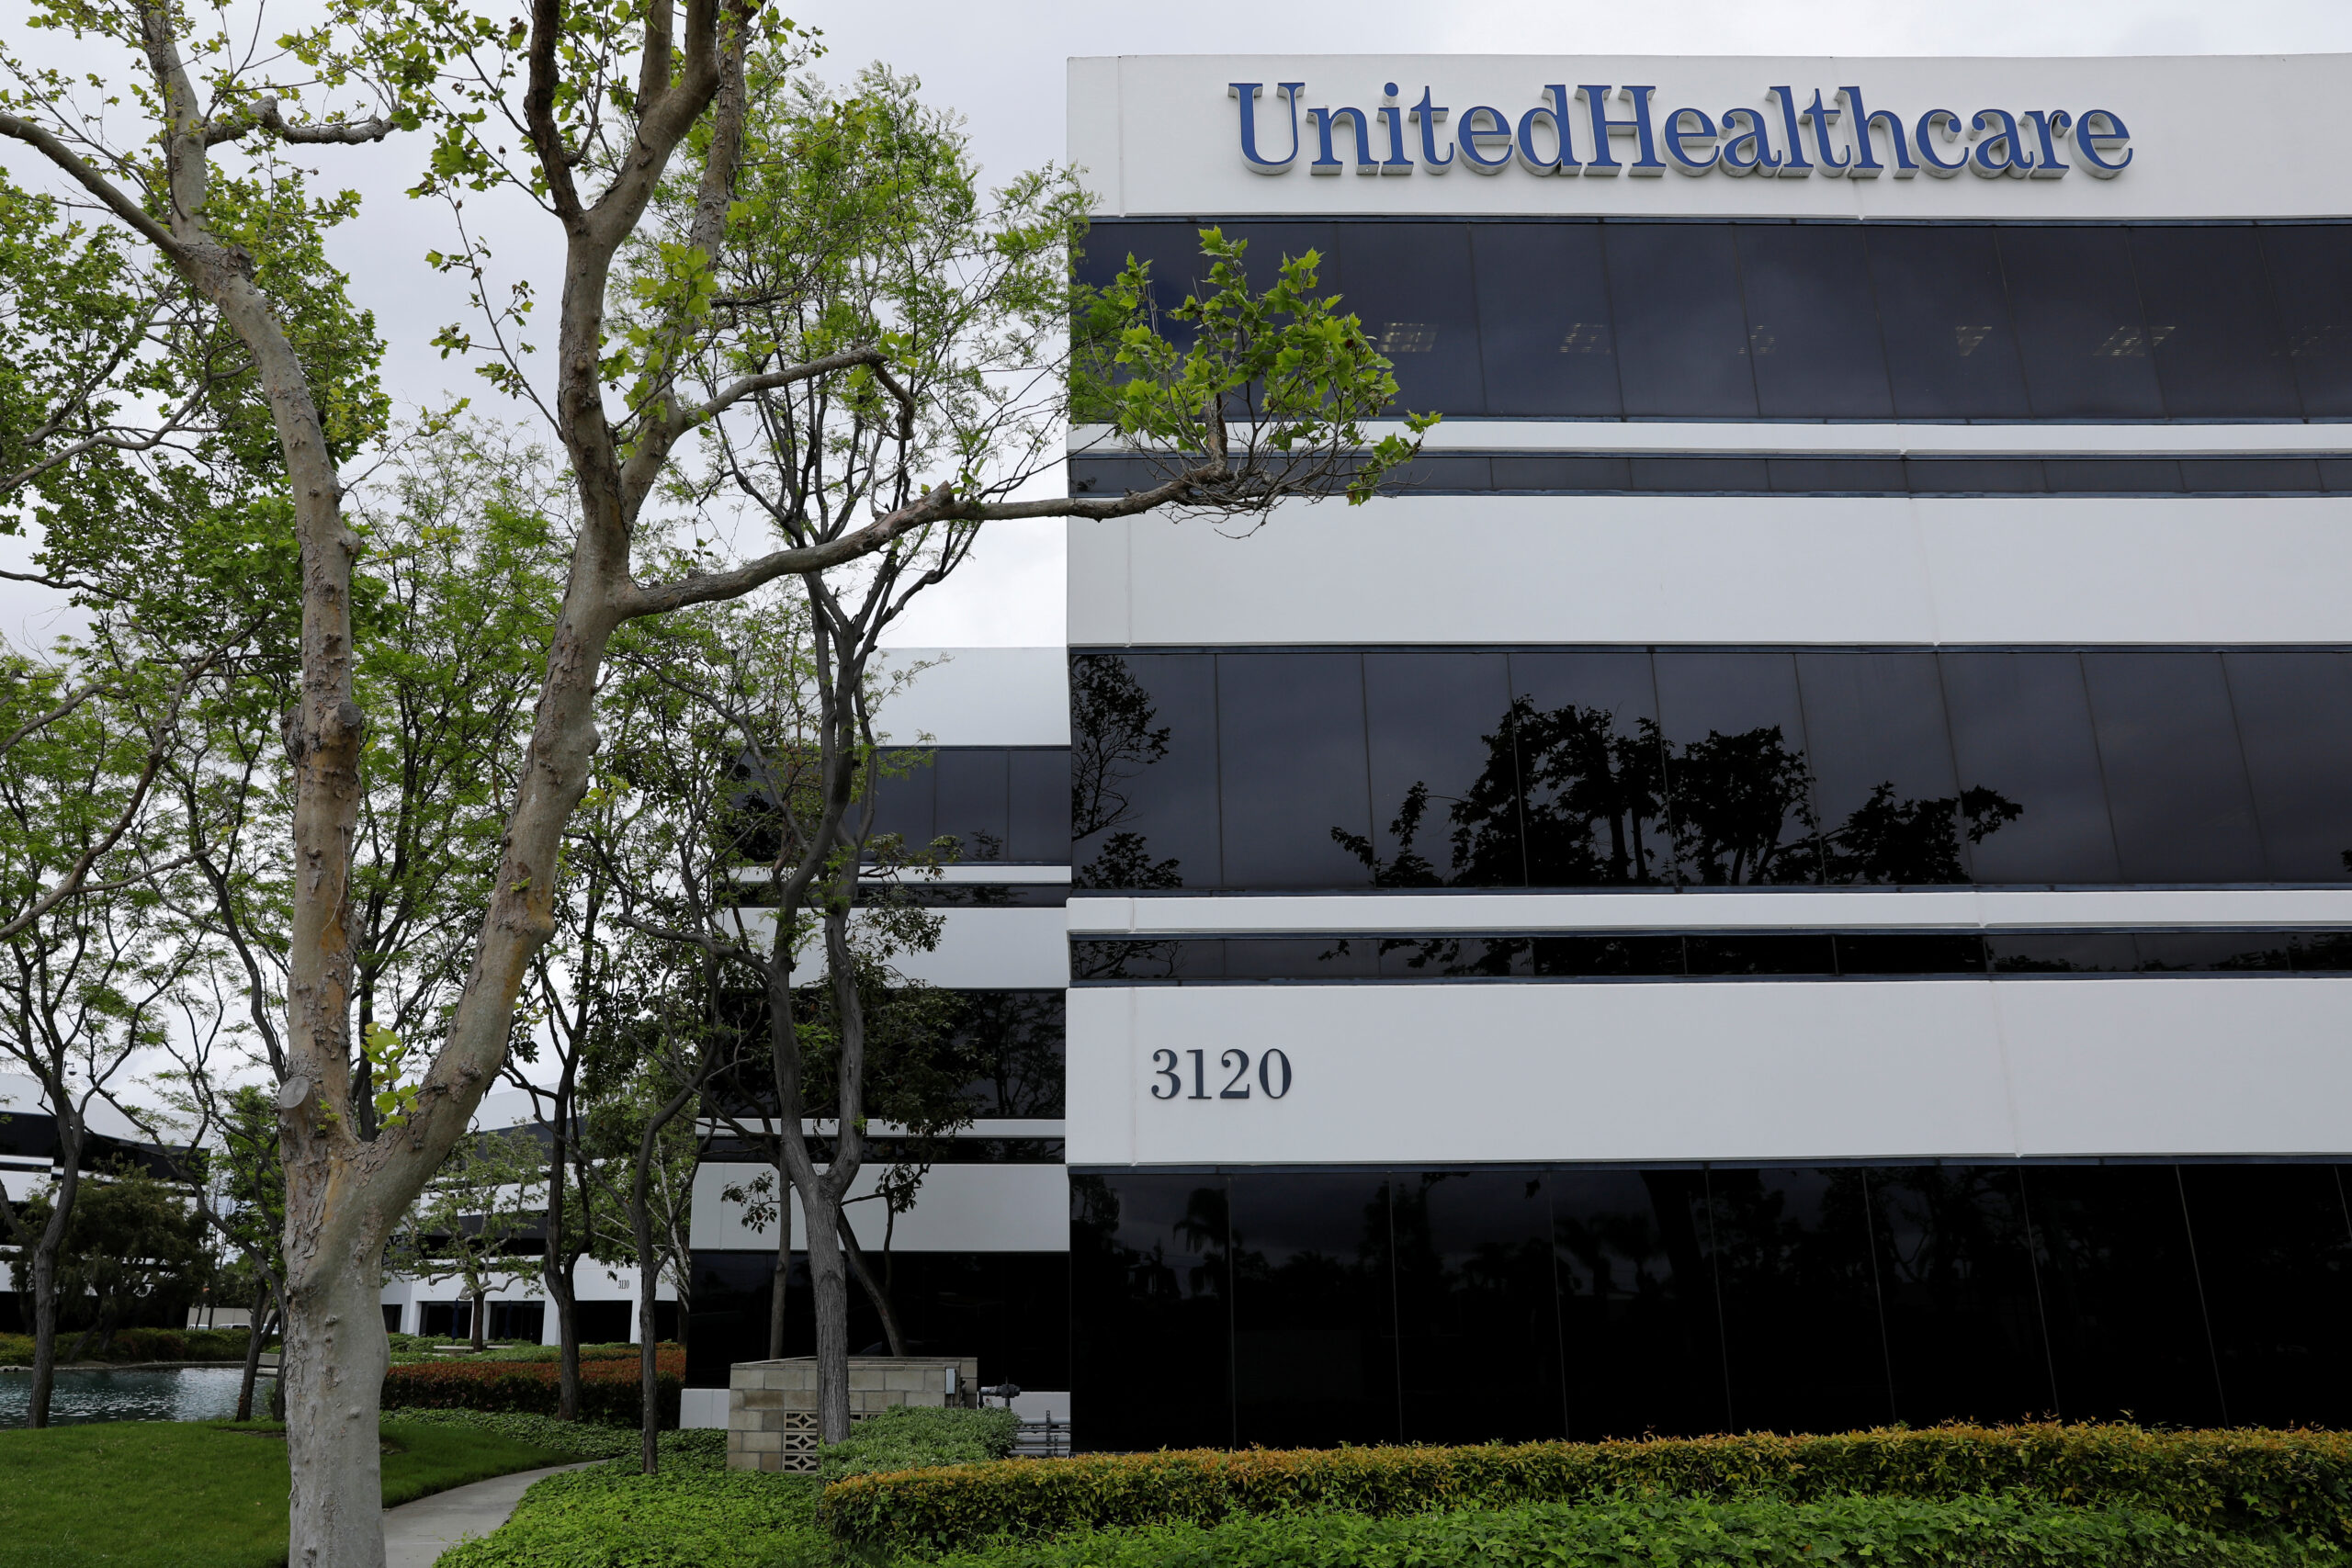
1002 66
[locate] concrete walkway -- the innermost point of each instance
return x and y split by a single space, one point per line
416 1534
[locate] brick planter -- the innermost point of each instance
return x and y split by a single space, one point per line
772 1406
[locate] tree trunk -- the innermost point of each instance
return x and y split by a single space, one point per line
783 1291
829 1290
649 1278
877 1291
44 1330
254 1336
481 1320
332 1373
567 1336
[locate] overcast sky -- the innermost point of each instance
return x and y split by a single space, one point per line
1002 66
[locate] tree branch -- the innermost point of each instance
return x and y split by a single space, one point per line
89 179
264 116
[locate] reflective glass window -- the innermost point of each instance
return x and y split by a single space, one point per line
1144 769
2310 274
1802 1332
1976 476
1600 957
1549 347
1563 473
2222 474
1292 760
1145 960
1737 768
2021 725
2274 1252
2064 953
1013 1044
1910 952
2176 777
2335 474
1700 476
2218 348
1171 251
1829 476
1812 325
972 800
1441 760
1760 953
2321 952
1301 958
1964 1323
1681 332
1477 1317
2120 1294
2112 476
902 803
2079 329
1440 476
1314 1314
1590 786
1149 1308
1410 286
2220 952
1453 957
2294 714
1637 1302
1038 781
1944 315
1892 811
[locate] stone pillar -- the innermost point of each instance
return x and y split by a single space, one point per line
772 1406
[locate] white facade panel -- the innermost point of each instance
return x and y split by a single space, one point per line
2220 136
1636 569
985 949
975 696
1730 1070
962 1208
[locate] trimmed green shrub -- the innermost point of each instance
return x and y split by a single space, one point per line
2242 1481
587 1439
138 1345
1864 1532
911 1438
694 1513
608 1388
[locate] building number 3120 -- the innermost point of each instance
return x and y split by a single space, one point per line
1272 1074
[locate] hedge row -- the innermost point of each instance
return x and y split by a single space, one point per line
138 1345
1674 1533
609 1390
2299 1482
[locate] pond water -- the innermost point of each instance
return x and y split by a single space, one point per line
182 1394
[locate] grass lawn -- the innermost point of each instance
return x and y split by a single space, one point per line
199 1494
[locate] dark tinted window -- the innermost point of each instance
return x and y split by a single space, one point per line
1563 473
1607 957
972 801
1171 251
1039 827
2223 474
1144 771
1012 1043
1452 958
2112 475
1479 1331
1441 756
1301 958
1590 785
2064 953
1682 333
1963 1320
2294 714
2021 725
1291 752
2221 951
1740 789
1861 476
1800 1319
1637 1302
1410 286
1812 327
2175 779
1945 317
1976 476
2311 269
2218 348
1910 952
2119 1289
2079 329
1314 1312
1890 809
1762 952
2274 1252
902 803
1687 476
1551 349
1151 1306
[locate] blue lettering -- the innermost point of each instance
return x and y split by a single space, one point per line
1759 158
2088 136
1474 135
1604 158
1999 153
1557 111
1429 115
1866 123
1678 142
1928 123
1248 93
2048 125
1328 164
1393 119
1821 118
1796 166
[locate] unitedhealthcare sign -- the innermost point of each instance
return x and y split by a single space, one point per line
1609 129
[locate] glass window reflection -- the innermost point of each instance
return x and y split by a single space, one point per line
1681 331
1812 325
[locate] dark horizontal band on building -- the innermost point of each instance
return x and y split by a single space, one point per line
1581 319
1554 473
1399 958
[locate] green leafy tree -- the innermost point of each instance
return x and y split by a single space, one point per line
467 1224
132 1240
